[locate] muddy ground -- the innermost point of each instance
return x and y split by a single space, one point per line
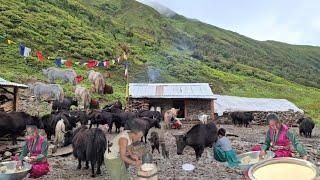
206 168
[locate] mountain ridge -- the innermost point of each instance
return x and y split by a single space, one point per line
159 48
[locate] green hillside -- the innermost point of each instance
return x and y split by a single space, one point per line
160 49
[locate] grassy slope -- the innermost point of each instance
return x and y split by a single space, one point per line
236 65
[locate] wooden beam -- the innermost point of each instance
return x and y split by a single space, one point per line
7 90
212 110
15 99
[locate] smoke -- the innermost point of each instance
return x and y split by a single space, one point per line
153 74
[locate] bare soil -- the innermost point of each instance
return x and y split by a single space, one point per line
206 167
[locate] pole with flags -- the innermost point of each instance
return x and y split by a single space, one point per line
126 75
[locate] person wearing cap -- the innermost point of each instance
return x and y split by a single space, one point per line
116 156
35 151
280 138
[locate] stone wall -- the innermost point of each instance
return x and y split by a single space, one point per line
194 108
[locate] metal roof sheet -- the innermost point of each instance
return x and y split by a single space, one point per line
171 90
6 83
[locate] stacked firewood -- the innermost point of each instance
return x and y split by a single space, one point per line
137 105
259 118
288 117
7 106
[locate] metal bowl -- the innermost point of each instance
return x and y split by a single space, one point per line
282 160
15 175
253 155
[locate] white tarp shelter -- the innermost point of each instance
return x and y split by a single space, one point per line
244 104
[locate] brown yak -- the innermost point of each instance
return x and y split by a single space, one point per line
83 96
97 82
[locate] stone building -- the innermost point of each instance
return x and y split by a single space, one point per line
193 99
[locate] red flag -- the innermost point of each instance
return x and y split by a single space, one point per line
68 64
79 78
92 63
39 55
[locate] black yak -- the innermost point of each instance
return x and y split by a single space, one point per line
146 123
65 104
117 105
198 137
305 126
89 145
14 124
241 118
150 114
155 142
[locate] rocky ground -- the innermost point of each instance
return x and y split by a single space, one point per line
206 168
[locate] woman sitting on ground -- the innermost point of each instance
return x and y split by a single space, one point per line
35 152
279 139
223 151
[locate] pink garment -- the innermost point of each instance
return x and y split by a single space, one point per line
281 148
177 124
38 169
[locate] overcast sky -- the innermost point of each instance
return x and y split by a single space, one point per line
290 21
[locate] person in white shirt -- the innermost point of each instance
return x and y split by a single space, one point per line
117 155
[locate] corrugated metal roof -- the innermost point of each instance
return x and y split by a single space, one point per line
242 104
171 90
6 83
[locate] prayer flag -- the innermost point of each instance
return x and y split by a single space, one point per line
106 64
124 56
10 41
39 55
24 51
58 62
68 64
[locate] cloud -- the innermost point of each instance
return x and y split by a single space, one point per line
290 21
270 28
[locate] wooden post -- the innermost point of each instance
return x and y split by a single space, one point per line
212 109
185 109
15 99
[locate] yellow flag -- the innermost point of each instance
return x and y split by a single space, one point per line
127 90
10 42
124 56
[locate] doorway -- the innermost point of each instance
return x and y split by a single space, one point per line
179 104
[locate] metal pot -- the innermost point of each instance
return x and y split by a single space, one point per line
15 175
147 158
283 160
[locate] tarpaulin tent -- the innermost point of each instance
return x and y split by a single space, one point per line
243 104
